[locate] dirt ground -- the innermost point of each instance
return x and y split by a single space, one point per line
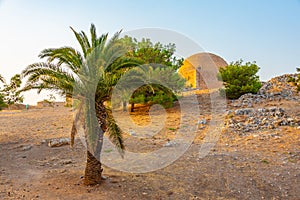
260 165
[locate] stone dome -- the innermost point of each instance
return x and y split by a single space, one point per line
201 70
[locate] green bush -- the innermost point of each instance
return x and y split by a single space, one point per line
239 79
296 81
2 103
138 99
159 97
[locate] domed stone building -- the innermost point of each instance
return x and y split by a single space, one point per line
201 69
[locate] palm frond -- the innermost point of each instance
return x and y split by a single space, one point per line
124 62
86 42
81 41
101 41
93 36
48 76
76 121
115 133
64 55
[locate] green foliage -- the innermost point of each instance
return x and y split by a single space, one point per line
150 84
150 53
140 98
160 66
296 81
165 98
239 79
11 92
2 102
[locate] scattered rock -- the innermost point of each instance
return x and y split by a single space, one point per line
43 141
132 133
170 144
57 142
245 111
203 121
26 148
279 87
66 162
249 119
245 118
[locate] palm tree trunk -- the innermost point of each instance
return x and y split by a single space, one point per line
93 170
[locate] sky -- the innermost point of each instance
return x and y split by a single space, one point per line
265 31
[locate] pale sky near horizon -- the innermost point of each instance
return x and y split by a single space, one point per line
265 31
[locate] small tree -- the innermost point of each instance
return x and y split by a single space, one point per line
239 79
152 54
11 93
2 103
160 86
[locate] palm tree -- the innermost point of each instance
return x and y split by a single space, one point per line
88 76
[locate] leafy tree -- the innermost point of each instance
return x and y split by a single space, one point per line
91 73
239 79
11 91
2 103
152 55
152 84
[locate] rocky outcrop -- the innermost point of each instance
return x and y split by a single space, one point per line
245 117
280 86
277 89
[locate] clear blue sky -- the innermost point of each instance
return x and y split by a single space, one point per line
265 31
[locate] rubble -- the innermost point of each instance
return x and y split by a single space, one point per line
276 89
244 117
249 119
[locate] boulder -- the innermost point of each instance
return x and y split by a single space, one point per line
57 142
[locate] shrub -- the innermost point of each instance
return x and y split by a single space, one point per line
239 79
2 103
296 81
